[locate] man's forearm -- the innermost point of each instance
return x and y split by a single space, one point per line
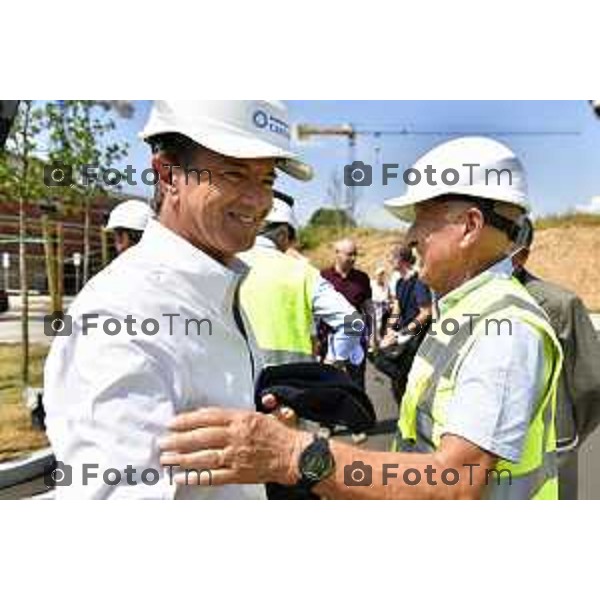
255 448
380 477
396 475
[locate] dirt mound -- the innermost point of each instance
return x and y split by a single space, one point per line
373 250
568 255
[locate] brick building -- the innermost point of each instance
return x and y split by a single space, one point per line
73 228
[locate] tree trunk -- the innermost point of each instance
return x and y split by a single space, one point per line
24 293
23 191
50 263
60 262
104 245
86 240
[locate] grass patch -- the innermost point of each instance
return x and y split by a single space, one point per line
314 236
569 219
17 437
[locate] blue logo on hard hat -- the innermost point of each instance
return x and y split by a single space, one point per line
262 120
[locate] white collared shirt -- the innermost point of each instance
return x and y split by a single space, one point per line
499 381
109 397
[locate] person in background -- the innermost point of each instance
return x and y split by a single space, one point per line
395 276
382 302
283 297
578 397
355 286
294 248
412 298
127 221
411 315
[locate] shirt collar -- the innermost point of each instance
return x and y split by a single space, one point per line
168 249
502 269
265 242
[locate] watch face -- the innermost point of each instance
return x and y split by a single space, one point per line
316 462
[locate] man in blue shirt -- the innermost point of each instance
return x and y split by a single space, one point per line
412 307
410 318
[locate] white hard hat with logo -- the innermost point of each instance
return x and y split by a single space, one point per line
282 212
474 166
235 128
131 214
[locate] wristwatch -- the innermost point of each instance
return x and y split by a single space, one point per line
315 463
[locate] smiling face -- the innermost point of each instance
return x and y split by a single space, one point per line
454 242
438 237
220 209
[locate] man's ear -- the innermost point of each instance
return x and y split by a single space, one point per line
167 178
165 167
473 226
283 239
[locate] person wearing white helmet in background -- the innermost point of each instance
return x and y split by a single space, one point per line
477 418
159 331
284 297
127 221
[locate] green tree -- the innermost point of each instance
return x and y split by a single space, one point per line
75 133
331 217
21 178
79 137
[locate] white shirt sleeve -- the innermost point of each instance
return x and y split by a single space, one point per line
108 400
330 306
496 391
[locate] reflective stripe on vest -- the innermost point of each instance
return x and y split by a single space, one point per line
277 298
433 378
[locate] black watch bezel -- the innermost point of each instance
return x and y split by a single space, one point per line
316 462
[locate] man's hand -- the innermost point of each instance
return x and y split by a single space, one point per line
388 340
235 446
284 414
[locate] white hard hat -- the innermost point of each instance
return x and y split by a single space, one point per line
282 212
474 166
236 128
131 214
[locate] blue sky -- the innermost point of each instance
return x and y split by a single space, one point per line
563 170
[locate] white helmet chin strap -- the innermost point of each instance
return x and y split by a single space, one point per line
523 235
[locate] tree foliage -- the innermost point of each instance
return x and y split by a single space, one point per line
331 217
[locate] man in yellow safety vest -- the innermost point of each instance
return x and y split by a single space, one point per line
284 296
478 416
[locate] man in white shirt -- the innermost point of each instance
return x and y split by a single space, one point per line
159 332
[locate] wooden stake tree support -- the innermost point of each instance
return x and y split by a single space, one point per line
60 264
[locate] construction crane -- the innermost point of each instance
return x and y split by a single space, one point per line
305 131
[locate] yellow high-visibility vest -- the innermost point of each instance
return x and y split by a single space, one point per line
277 297
432 381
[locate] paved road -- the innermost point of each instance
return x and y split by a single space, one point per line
10 331
10 322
